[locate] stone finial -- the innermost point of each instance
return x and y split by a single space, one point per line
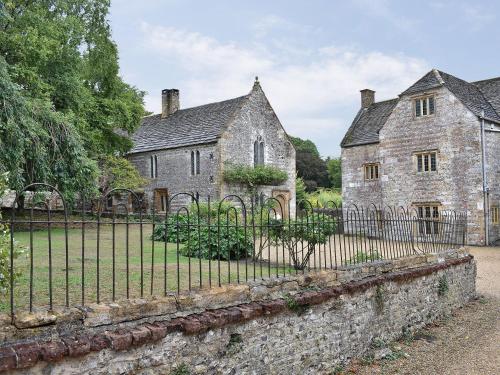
169 102
367 98
256 83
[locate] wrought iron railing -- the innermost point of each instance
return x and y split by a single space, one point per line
105 250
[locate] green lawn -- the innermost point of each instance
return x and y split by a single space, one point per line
189 268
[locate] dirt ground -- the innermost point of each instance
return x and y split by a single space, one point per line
467 343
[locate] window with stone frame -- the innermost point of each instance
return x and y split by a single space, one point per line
195 163
495 215
426 161
258 152
372 171
153 164
424 106
428 214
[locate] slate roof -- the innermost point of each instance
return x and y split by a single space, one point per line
477 96
491 91
368 122
185 127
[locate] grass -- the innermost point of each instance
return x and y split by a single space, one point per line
182 272
323 198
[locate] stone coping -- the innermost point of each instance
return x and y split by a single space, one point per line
26 354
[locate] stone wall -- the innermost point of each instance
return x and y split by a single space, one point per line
174 172
301 324
453 131
493 152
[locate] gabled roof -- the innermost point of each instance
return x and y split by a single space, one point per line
468 93
367 124
471 96
185 127
491 91
476 96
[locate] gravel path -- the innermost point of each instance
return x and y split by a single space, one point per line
468 343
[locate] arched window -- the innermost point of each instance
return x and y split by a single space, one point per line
258 152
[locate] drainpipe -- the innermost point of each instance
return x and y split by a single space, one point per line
485 184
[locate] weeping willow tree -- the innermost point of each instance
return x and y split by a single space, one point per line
39 144
63 105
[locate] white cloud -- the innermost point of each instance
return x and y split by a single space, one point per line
309 97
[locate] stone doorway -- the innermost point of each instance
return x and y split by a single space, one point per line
283 196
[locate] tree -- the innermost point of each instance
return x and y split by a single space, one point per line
39 144
334 172
119 173
59 58
310 167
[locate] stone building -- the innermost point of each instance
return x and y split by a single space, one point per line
187 150
436 147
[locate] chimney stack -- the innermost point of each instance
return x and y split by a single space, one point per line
169 102
367 98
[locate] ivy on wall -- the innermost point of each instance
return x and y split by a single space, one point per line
254 176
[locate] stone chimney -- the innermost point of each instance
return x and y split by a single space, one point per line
169 102
367 98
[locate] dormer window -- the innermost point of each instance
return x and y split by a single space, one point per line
424 106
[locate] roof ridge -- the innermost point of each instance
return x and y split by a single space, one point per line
201 105
485 80
386 100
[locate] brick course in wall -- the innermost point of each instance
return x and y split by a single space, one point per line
313 326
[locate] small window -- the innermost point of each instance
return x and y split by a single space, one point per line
195 163
153 162
371 171
424 106
192 163
430 219
426 161
495 215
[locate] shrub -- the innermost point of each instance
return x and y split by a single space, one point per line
312 230
254 176
214 211
362 257
224 242
177 225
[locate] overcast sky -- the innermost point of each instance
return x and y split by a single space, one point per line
312 57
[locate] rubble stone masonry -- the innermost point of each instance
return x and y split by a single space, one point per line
300 324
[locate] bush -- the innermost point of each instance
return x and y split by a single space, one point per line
205 241
226 243
177 226
312 230
362 257
254 176
214 211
